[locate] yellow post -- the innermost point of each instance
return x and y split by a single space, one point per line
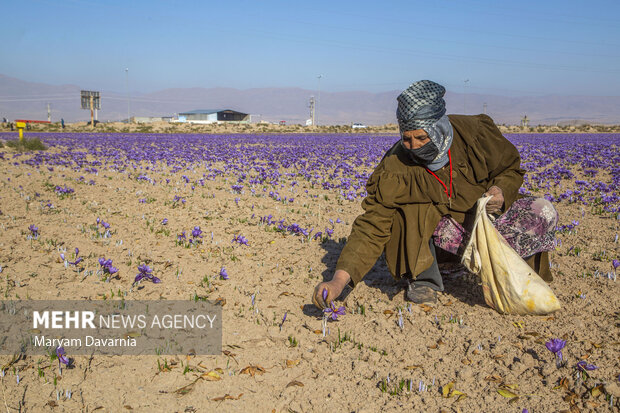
20 128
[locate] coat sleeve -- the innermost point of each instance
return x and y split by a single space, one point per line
502 159
369 233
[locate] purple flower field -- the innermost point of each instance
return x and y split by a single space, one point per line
254 222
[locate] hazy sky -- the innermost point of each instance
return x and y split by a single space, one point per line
506 48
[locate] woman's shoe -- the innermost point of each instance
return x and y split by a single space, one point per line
420 294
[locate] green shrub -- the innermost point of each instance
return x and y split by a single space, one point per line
33 144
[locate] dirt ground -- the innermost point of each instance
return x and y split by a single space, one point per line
364 363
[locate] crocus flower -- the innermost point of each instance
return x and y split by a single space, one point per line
334 312
616 264
197 232
240 239
77 259
146 272
62 356
34 230
324 294
223 274
107 266
584 366
555 345
164 221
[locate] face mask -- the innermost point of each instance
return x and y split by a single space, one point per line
424 155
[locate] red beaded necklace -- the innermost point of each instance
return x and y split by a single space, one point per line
442 183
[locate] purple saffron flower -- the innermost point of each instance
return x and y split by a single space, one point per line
77 259
584 366
62 356
240 239
333 311
146 272
223 274
324 294
107 266
197 232
615 263
555 345
34 230
164 221
62 256
105 225
182 237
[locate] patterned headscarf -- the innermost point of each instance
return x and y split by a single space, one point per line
421 106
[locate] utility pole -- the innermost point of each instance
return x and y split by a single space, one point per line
127 87
318 99
49 113
92 120
312 110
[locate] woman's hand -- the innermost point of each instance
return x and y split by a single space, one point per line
496 203
334 289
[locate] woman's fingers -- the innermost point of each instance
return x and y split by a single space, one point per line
317 297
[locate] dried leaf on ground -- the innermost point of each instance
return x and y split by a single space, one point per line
227 397
597 390
292 363
211 376
253 370
448 391
564 383
507 393
295 383
186 389
426 308
445 390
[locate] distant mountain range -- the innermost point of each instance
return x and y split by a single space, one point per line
20 99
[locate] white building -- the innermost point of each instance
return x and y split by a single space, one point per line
214 116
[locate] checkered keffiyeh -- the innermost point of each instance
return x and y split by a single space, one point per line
420 105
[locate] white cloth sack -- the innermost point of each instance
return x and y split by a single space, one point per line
510 286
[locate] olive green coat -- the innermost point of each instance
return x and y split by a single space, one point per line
405 202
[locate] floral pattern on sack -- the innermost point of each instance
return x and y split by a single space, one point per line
528 226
